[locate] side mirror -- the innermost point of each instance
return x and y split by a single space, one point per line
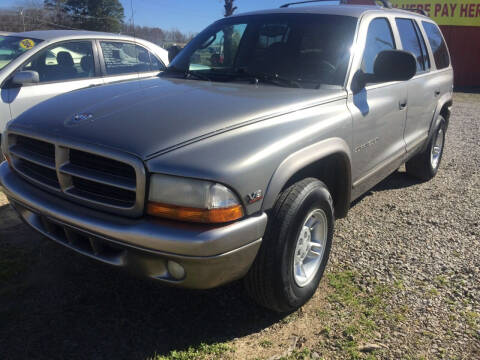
25 77
390 65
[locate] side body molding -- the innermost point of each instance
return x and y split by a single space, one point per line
308 156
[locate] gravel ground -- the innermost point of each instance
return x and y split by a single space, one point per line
403 282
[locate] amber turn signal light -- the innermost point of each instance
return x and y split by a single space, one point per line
209 216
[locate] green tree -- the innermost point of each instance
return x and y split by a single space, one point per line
98 15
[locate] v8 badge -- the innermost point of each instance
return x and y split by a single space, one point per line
254 197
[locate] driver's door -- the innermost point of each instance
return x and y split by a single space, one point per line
379 115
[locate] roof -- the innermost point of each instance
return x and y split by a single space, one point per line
346 10
60 34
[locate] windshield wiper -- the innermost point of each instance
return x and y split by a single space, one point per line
273 79
189 74
186 74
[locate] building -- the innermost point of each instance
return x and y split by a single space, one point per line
460 24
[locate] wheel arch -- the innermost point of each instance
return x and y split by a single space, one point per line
443 108
328 161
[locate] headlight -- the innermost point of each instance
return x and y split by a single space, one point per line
192 200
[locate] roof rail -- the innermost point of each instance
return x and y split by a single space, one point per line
302 2
420 11
386 4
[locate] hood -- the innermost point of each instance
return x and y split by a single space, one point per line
149 117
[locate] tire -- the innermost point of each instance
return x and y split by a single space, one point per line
425 165
273 280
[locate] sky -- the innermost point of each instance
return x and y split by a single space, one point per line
185 15
188 15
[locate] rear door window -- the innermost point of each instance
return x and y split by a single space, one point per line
439 48
379 38
412 42
127 58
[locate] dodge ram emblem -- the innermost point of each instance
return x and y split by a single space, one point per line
78 119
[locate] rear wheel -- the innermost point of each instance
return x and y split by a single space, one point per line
295 248
426 164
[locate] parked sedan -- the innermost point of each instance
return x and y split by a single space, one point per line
38 65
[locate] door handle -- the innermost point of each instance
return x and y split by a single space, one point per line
402 104
437 92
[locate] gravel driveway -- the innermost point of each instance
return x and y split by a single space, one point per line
403 282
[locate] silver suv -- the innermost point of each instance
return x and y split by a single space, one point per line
236 161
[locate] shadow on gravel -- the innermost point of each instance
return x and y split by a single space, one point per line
67 306
397 180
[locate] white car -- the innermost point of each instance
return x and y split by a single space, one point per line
38 65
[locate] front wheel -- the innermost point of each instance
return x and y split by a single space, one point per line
426 164
295 248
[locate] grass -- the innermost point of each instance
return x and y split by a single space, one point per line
358 311
203 351
266 344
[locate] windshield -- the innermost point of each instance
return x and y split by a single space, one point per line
12 47
293 50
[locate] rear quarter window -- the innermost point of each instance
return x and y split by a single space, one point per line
439 48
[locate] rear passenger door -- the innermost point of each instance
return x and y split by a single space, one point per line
126 61
378 111
422 89
62 67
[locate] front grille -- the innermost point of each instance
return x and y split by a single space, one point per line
83 176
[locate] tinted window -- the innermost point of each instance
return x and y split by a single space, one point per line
67 61
411 42
426 57
219 49
155 63
379 38
295 50
439 49
126 58
12 47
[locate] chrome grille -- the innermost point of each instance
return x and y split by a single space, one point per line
112 182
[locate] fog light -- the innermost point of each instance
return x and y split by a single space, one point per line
176 270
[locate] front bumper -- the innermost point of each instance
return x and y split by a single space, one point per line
210 255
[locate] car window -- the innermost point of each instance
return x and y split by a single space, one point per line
270 34
423 45
379 38
411 42
155 63
219 50
63 62
299 50
127 58
439 48
11 47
